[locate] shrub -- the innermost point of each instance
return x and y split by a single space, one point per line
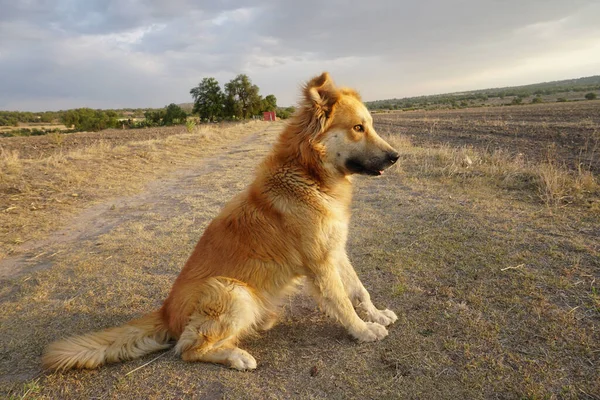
190 125
591 96
285 113
154 117
174 115
86 119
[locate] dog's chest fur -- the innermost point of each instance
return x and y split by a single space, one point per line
322 215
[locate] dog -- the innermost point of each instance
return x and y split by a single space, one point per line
290 224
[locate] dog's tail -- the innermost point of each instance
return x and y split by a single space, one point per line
132 340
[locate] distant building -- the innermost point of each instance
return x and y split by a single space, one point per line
269 116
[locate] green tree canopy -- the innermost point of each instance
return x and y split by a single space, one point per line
269 103
209 100
174 115
242 98
87 119
154 117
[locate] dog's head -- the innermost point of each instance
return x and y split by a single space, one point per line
344 129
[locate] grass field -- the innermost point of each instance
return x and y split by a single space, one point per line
485 240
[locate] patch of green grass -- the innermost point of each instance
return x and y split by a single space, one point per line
30 390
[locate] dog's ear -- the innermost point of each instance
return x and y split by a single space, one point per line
321 95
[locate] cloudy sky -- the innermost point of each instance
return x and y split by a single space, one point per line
58 54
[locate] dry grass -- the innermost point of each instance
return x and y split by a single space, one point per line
57 138
554 185
37 193
496 289
10 164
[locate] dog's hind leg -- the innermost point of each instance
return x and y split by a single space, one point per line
226 311
227 354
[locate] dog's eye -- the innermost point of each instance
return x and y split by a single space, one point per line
359 128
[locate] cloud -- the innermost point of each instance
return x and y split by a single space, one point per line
135 53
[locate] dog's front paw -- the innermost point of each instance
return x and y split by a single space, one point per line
372 332
242 361
384 317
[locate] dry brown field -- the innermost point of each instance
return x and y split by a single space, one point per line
566 133
485 240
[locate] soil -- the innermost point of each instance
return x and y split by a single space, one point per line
41 146
567 133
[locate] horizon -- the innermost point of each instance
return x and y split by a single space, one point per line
365 101
139 54
460 92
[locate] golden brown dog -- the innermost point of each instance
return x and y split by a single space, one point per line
290 223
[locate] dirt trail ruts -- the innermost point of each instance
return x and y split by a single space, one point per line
164 196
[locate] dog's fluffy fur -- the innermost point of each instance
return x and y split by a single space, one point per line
290 223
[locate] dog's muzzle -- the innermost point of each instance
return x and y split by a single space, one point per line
372 166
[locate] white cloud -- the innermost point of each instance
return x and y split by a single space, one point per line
71 53
239 15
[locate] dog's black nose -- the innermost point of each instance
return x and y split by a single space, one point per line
393 157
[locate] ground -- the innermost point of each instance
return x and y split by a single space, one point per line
495 286
569 129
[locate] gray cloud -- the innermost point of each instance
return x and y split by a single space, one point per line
71 53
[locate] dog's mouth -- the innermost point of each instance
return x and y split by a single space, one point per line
373 166
356 167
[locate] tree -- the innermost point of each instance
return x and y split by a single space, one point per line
154 117
285 113
242 98
174 115
209 100
591 96
86 119
47 117
269 103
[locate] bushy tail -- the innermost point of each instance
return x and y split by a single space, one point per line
132 340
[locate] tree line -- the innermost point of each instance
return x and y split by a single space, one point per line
240 99
12 118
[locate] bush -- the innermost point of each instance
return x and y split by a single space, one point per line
285 113
174 115
591 96
154 117
190 125
86 119
24 132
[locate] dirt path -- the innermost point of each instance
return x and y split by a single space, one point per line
165 197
